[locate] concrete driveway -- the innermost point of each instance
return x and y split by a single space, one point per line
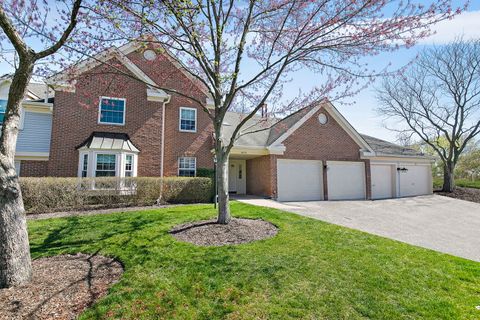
434 222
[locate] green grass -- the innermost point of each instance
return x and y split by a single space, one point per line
438 182
310 270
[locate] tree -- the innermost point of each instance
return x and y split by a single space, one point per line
244 52
438 99
26 25
469 164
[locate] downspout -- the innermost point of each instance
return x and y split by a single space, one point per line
162 150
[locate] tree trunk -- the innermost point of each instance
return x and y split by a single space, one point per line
222 187
15 262
448 177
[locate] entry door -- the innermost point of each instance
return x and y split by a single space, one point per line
232 176
299 180
382 181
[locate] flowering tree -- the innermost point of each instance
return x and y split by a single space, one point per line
27 25
245 51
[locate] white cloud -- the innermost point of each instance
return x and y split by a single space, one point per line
466 24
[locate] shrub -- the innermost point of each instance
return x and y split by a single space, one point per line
62 194
206 172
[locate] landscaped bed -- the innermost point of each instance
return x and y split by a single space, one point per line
468 194
61 288
309 270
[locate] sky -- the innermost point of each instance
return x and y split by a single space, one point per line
362 113
360 109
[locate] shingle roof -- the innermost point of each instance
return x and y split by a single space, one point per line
388 148
266 131
254 133
286 123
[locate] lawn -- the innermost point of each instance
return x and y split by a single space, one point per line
466 183
310 270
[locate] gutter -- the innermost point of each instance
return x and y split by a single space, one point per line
162 150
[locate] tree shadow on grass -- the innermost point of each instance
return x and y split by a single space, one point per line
75 233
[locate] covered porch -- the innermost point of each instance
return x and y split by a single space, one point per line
251 171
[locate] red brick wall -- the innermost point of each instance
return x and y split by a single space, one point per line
260 177
75 117
32 168
312 141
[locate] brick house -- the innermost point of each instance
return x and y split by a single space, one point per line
106 123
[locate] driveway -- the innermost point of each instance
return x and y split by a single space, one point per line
443 224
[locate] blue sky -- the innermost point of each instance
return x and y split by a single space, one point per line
361 114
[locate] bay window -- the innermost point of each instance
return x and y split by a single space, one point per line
106 165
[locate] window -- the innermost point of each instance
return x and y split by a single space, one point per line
112 111
129 165
188 119
106 164
187 167
3 108
85 166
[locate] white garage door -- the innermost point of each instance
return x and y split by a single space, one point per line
346 180
382 181
414 180
299 180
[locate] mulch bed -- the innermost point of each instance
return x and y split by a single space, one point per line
469 194
210 233
61 288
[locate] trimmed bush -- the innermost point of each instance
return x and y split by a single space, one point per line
206 172
42 195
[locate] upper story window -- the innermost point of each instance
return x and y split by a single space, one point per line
188 119
3 108
187 166
111 111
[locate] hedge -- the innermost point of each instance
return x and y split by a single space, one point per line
42 195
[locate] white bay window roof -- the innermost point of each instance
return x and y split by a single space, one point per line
108 141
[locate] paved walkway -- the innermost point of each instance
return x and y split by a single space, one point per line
443 224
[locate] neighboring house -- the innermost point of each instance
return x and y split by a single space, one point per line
33 143
106 123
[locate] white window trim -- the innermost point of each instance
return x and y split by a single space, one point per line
100 111
134 162
180 119
119 162
178 165
18 167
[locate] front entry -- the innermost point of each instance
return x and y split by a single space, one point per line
236 176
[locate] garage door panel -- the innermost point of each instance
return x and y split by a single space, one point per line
382 181
346 180
299 180
414 180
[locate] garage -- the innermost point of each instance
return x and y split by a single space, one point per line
414 179
299 180
383 181
346 180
